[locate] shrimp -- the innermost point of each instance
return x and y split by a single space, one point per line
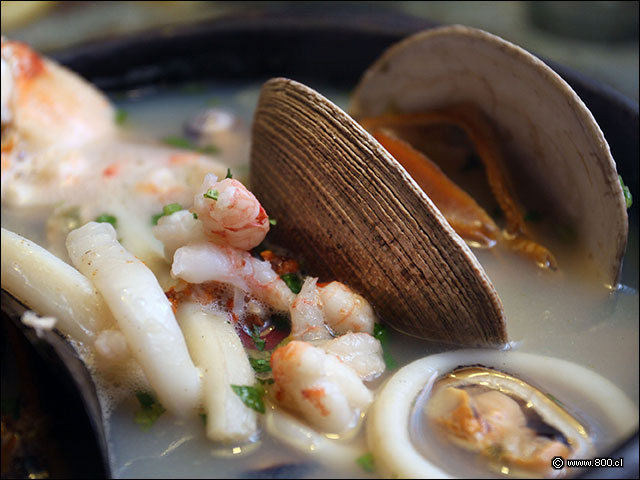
346 311
359 351
327 393
307 317
231 214
203 261
46 104
176 230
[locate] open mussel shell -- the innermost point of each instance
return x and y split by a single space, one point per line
587 408
354 214
557 156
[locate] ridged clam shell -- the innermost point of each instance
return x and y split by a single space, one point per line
354 214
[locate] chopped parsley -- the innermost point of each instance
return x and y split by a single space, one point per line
273 221
228 175
211 194
293 281
628 199
166 210
366 462
121 116
195 215
381 333
150 410
260 365
107 218
259 341
250 396
181 142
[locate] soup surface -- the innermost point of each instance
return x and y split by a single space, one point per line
559 314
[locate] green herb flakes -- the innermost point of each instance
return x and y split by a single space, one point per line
228 175
156 217
107 218
260 365
382 334
293 281
203 417
166 210
121 116
195 215
628 199
150 410
250 396
171 208
257 339
211 194
366 462
181 142
273 221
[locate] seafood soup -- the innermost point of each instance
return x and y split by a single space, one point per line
217 353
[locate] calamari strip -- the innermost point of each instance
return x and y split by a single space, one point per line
143 313
217 349
53 288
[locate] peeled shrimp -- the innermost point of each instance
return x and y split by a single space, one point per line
231 214
346 311
201 262
359 351
176 230
327 393
47 104
307 317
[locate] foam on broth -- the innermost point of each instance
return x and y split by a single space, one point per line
560 314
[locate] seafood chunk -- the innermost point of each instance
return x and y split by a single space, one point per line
359 351
205 262
329 394
231 214
346 311
46 104
307 317
142 312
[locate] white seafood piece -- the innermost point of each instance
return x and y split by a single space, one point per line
346 311
327 393
142 312
27 270
46 104
176 230
306 312
201 262
217 350
231 214
555 153
609 411
360 351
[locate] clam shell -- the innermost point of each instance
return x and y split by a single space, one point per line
355 215
554 147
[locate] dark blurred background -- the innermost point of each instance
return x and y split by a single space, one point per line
598 39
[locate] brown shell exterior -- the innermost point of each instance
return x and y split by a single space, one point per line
354 214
